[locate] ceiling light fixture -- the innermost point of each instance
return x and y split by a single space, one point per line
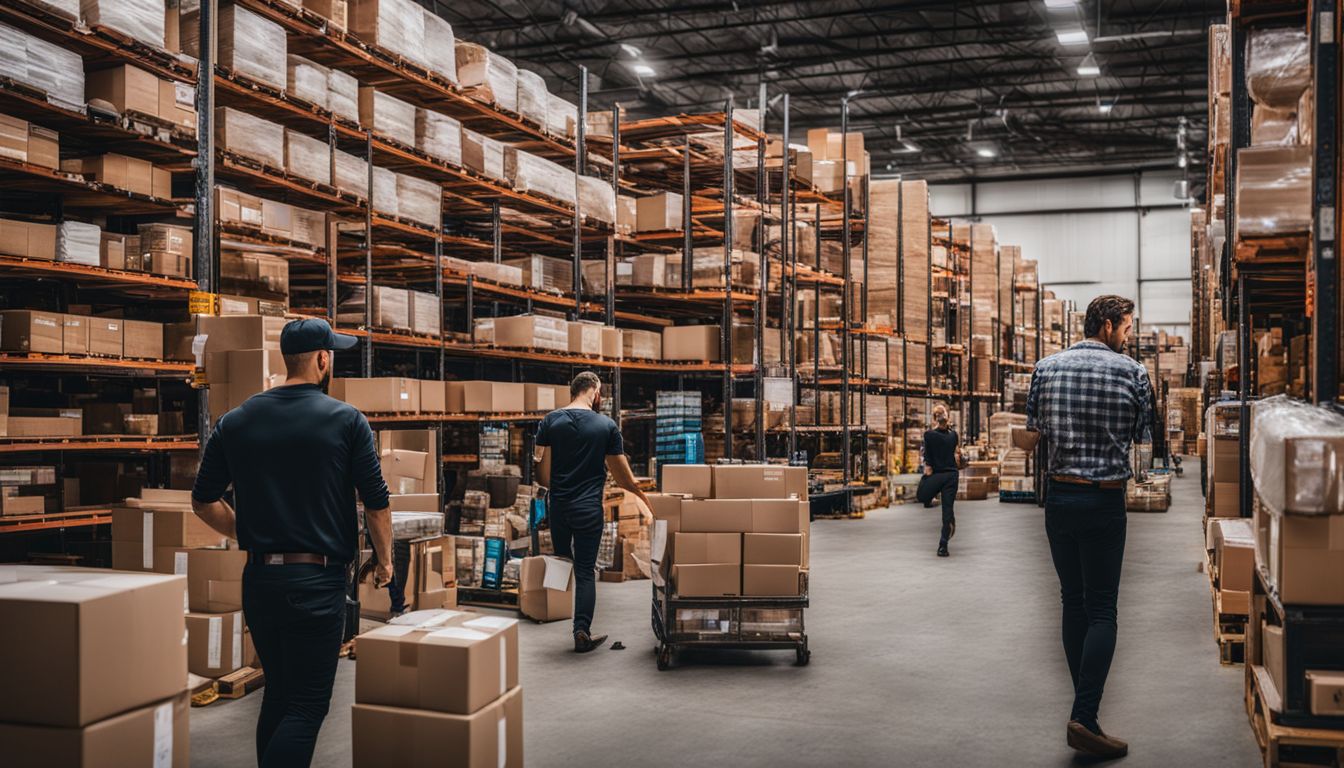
631 50
1089 67
986 152
1105 107
643 70
1071 36
1060 5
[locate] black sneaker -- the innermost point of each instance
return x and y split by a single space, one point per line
584 642
942 550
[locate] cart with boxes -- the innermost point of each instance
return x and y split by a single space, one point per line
730 559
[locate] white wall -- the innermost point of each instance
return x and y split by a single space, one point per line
1091 236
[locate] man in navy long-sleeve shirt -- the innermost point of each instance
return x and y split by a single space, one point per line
295 459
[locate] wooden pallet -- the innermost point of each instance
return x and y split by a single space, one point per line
238 684
1282 745
1272 250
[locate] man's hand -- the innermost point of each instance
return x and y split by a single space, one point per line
928 470
382 575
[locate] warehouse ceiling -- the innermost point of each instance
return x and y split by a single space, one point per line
946 89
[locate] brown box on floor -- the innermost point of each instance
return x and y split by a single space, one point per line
538 602
493 736
401 668
156 734
214 643
215 579
118 638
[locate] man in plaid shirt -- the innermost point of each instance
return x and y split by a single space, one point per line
1091 403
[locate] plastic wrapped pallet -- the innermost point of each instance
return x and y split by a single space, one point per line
68 9
487 76
1273 127
984 279
391 308
597 200
45 66
1273 190
397 26
352 174
343 95
250 45
438 136
1297 456
884 251
250 136
529 173
482 154
307 80
561 116
78 243
142 20
533 98
387 115
439 43
1278 66
425 313
418 199
548 273
307 158
384 197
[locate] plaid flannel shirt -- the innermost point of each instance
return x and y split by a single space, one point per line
1090 403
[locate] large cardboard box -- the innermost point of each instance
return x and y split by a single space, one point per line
770 580
539 398
75 334
1272 657
708 580
409 471
117 636
215 580
105 336
1234 553
379 395
759 481
1325 691
454 662
585 339
486 397
772 549
716 516
641 345
692 342
433 396
658 212
214 643
23 330
695 480
154 735
1306 558
21 238
492 737
708 548
142 339
538 601
532 331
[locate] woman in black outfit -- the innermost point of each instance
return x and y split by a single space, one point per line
941 458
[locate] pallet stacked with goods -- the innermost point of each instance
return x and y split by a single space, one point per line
1266 260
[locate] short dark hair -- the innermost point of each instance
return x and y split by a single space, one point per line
1103 308
585 381
297 362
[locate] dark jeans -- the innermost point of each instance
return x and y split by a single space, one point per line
295 614
579 542
945 483
1086 527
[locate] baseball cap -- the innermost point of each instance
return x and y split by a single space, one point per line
310 335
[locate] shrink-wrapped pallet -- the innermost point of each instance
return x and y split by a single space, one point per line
984 279
384 197
1278 66
529 173
352 174
307 158
482 155
597 200
307 80
439 46
418 199
78 243
533 98
397 26
343 95
548 273
250 136
884 244
916 362
68 9
1273 127
1297 457
488 76
425 313
1273 191
438 136
251 45
49 68
387 115
391 308
561 116
141 20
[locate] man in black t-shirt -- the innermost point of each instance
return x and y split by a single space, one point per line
941 459
296 459
578 446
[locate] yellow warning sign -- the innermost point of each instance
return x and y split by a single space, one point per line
203 303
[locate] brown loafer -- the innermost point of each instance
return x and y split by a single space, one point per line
1095 744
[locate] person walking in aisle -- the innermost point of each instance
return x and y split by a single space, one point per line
942 457
1091 403
578 445
296 458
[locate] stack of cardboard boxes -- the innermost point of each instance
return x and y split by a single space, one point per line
115 688
240 355
439 686
731 530
63 333
1222 460
391 394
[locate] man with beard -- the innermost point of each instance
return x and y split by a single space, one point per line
295 459
1091 402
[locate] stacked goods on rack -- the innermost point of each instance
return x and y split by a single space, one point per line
836 158
627 521
979 479
57 333
400 395
1183 419
439 683
122 678
1053 328
26 490
915 278
1153 494
1012 461
679 428
1222 460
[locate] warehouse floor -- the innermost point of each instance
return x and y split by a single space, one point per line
916 661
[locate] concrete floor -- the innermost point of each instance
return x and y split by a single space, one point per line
916 661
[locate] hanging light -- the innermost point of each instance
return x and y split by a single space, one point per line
1071 36
1089 67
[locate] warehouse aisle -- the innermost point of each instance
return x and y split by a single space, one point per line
916 661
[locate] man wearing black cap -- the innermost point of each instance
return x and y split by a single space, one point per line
295 459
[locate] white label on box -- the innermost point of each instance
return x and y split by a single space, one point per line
112 326
198 348
503 741
147 539
163 736
491 622
180 563
405 395
184 94
503 663
237 640
214 639
460 633
44 321
557 573
659 543
772 475
430 617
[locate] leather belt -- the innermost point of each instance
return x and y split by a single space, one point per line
1075 480
288 558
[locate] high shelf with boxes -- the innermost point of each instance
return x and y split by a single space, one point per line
95 258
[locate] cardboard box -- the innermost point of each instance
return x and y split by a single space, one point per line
692 342
486 397
1234 553
13 138
770 580
401 666
127 173
215 580
118 637
44 147
409 471
716 516
538 602
1225 499
45 426
142 339
135 556
127 88
759 481
156 734
34 241
641 345
493 736
171 239
75 334
1325 690
532 331
105 336
22 505
379 395
23 330
658 212
708 580
177 104
1306 558
214 643
707 548
772 549
585 339
1272 656
539 398
695 480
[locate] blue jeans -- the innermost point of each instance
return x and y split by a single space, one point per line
1086 527
296 614
578 537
